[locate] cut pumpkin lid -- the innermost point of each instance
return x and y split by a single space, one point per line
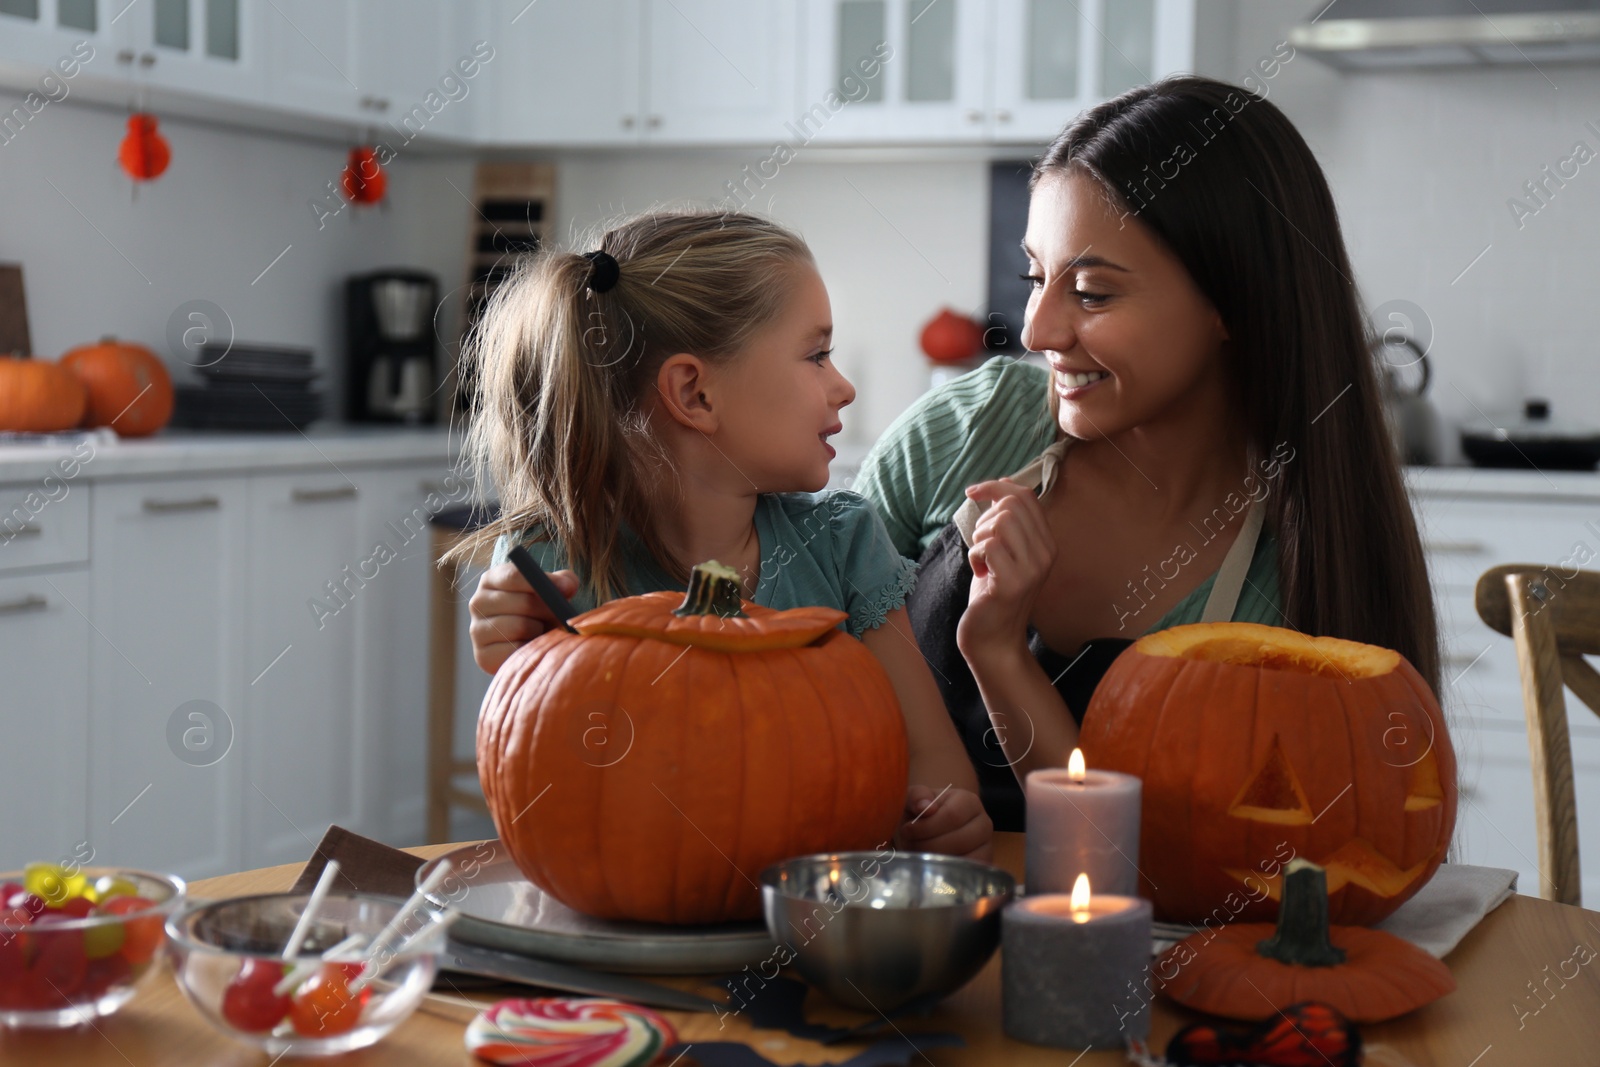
759 629
1250 644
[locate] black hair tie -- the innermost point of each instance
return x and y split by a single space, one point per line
603 271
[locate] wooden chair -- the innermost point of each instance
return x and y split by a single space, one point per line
1554 616
444 767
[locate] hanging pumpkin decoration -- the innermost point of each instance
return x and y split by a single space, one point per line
1257 744
363 180
144 153
127 385
1252 970
649 766
38 397
951 338
1302 1035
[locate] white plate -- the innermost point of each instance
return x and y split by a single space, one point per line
501 909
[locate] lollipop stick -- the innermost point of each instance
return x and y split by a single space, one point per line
302 929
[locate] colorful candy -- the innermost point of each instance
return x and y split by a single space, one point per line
571 1032
50 958
325 1005
249 1003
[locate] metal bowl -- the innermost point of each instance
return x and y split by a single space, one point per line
876 930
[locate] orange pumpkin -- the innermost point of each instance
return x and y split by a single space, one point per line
129 388
649 766
951 338
1257 744
1256 970
38 397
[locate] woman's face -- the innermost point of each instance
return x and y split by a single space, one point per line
782 394
1129 337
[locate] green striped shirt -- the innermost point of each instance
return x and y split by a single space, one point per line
987 424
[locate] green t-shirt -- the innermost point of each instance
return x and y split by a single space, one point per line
817 550
987 424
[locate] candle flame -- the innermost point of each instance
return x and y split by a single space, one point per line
1080 899
1076 769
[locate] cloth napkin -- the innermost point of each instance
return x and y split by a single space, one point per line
1441 913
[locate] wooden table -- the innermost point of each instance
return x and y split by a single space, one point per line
1493 1019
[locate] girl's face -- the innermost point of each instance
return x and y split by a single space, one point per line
1129 337
781 395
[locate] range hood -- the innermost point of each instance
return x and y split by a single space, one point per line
1363 35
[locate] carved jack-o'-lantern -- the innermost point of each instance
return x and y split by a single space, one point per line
1258 744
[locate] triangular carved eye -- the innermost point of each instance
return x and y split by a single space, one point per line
1425 790
1273 793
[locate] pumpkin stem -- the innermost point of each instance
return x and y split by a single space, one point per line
1302 936
713 590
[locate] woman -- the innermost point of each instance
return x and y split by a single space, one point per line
1208 443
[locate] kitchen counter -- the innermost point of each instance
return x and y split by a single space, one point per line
101 455
1466 483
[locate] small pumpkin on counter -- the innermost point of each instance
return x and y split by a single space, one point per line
38 397
128 387
649 766
1254 970
1255 744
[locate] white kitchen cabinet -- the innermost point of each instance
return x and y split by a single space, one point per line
566 72
1001 71
314 48
302 726
208 48
41 32
720 71
392 623
407 66
166 661
896 70
44 659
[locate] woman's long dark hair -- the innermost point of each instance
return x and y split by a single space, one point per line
1224 180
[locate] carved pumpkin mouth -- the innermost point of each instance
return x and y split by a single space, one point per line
1269 648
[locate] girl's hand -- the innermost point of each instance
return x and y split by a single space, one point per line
1011 555
953 823
506 613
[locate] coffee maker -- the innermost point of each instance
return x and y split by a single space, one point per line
391 356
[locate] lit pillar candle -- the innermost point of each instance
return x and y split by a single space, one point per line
1082 821
1067 964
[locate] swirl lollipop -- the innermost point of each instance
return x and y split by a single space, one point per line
571 1032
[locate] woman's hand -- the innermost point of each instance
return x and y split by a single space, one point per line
1011 555
953 823
507 614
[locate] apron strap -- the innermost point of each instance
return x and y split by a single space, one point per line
1235 565
1040 475
1225 590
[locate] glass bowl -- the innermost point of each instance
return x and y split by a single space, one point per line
59 970
227 956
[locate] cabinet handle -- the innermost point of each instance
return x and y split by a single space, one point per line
315 496
1002 115
31 602
126 55
199 503
1456 548
30 530
627 122
974 116
654 122
147 60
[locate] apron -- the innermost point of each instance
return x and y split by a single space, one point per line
944 578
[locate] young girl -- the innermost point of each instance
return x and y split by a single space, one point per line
667 399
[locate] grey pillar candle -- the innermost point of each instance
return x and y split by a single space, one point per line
1065 973
1082 826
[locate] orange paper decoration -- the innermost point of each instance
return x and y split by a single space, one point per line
363 181
144 153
